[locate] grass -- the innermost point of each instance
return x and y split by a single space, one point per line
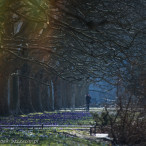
48 136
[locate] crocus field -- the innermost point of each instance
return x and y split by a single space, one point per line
53 136
60 118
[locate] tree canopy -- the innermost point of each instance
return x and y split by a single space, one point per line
75 40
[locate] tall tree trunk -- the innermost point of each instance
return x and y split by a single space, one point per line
68 95
73 89
57 94
4 110
14 106
25 102
52 94
45 97
63 93
35 95
9 92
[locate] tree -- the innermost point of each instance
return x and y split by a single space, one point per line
74 40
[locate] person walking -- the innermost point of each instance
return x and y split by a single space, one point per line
88 98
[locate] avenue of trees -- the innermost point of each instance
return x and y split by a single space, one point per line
51 50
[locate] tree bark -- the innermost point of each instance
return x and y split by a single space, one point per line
14 102
4 110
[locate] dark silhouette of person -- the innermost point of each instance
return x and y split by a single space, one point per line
88 98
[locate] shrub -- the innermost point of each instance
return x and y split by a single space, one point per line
127 126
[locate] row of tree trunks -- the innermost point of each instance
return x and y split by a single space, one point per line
20 95
69 95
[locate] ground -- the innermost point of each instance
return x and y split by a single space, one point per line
74 130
